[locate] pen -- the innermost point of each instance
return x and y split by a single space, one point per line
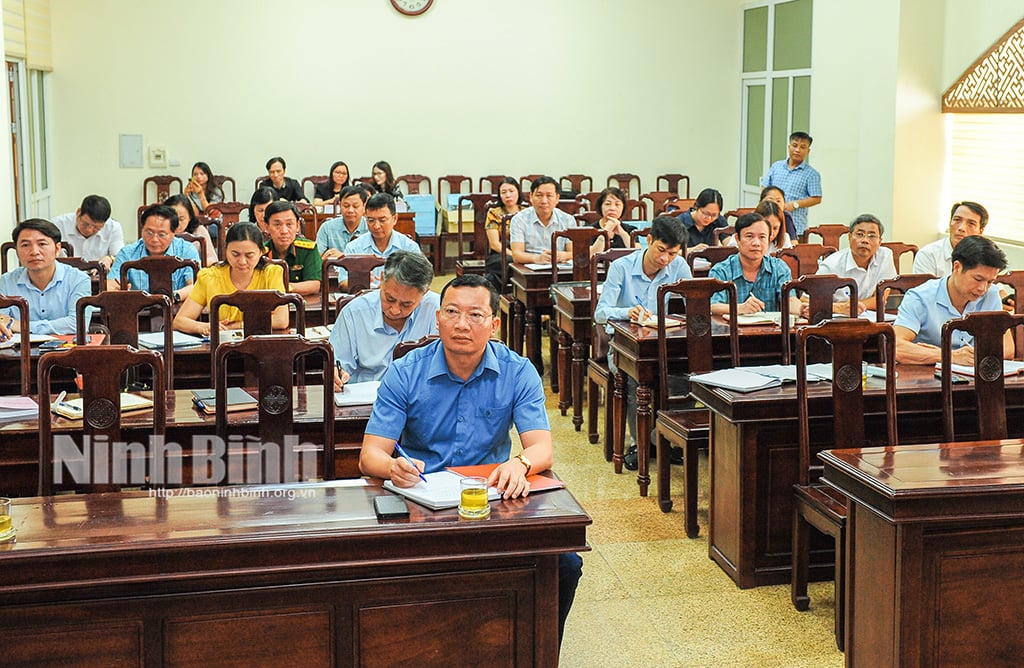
337 365
640 303
403 453
60 398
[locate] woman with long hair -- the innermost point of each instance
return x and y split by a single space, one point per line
188 221
510 202
337 180
201 189
384 180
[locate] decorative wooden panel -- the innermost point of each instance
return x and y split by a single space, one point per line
994 83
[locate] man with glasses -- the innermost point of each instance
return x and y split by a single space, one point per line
452 403
158 225
382 240
966 219
371 325
91 231
800 181
531 229
865 261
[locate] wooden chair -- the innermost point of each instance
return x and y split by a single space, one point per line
1015 279
898 248
598 376
276 358
493 181
526 181
404 347
635 210
723 233
820 288
413 182
259 180
162 184
25 347
359 268
803 258
712 255
5 250
689 428
659 200
624 180
737 212
635 235
454 183
898 284
472 261
199 243
309 220
510 329
224 215
679 206
817 504
160 269
588 218
221 182
570 206
257 307
672 183
97 271
315 181
575 183
120 311
830 234
581 238
988 329
101 368
589 200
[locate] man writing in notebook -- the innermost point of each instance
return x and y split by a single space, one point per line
452 403
758 277
970 288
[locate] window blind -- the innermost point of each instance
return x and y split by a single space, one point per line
27 32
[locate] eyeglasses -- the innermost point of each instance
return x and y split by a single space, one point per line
477 318
870 236
707 214
157 235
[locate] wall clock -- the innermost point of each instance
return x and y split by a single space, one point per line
412 7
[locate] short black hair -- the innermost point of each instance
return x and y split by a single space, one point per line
348 191
707 196
279 206
614 192
977 250
244 232
96 207
669 230
264 195
38 224
768 189
474 281
867 218
541 180
379 201
161 211
279 159
802 135
748 219
973 206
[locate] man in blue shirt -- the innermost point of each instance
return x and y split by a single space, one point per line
382 240
158 225
52 289
800 182
336 233
369 327
977 261
530 230
452 403
631 292
758 277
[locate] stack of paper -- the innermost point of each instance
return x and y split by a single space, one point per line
357 394
737 380
180 340
670 322
441 490
18 408
873 316
319 333
72 409
1010 368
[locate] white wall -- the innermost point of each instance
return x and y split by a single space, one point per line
6 160
473 87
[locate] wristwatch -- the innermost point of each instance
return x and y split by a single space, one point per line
526 462
796 204
176 298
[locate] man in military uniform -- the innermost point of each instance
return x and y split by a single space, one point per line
301 254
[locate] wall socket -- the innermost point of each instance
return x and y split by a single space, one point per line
157 156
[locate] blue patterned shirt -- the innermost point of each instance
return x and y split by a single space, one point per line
51 310
139 280
797 183
334 234
773 274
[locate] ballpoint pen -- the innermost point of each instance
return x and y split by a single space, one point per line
640 303
401 451
337 365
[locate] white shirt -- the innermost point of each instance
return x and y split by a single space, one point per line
936 258
108 241
842 263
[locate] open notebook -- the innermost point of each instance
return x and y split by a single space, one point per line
73 408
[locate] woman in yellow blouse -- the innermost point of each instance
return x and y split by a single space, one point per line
243 268
511 202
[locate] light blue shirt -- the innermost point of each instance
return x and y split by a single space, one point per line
627 283
526 227
773 274
927 307
139 280
446 421
799 182
51 310
364 245
334 234
363 343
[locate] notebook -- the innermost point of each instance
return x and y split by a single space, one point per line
18 408
670 322
319 333
72 408
538 481
180 340
1010 368
440 491
737 380
238 400
357 394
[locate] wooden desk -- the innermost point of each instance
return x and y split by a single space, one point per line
754 462
935 552
531 290
635 352
19 441
297 575
574 322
